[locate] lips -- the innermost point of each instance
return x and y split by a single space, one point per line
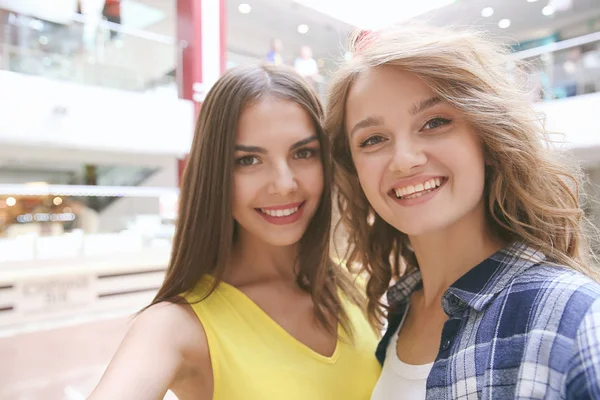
282 214
418 189
418 193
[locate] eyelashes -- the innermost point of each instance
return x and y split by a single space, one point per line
305 153
431 124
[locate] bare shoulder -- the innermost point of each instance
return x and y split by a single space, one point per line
160 345
174 323
178 325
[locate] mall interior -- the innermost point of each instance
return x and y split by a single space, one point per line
97 106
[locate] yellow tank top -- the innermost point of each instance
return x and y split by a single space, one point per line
253 357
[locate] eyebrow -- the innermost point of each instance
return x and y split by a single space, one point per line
367 123
304 142
424 105
261 150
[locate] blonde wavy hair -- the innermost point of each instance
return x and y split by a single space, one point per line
532 193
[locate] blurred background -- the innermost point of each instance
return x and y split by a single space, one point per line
97 106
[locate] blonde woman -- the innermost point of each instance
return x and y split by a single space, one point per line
447 187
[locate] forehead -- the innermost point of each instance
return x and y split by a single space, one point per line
272 120
379 90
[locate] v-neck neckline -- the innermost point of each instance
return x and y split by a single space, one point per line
299 344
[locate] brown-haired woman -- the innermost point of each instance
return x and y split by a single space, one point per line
252 306
448 187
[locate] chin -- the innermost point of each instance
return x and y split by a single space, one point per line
419 228
282 240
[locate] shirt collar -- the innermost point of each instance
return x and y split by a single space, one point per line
479 285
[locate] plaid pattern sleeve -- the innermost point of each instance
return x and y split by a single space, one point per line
583 380
518 328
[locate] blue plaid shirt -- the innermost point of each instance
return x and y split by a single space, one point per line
518 328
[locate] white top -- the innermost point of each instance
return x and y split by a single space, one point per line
398 379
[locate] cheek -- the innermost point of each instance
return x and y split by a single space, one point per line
244 188
369 170
310 178
471 165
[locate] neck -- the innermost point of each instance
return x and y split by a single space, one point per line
446 255
254 261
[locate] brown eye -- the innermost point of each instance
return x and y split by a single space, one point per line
304 154
247 161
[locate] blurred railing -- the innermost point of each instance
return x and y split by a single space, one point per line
103 53
564 69
41 221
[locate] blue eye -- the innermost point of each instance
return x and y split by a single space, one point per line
247 161
436 123
371 141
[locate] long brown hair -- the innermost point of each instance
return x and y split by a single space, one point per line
205 230
532 194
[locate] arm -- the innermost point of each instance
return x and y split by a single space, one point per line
157 346
583 379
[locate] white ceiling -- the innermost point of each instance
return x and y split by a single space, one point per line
527 20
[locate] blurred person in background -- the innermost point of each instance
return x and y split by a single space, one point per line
92 11
307 66
274 55
450 192
252 306
112 13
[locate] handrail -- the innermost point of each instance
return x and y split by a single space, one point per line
562 45
85 190
156 37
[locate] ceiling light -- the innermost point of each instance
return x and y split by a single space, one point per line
504 23
57 201
531 1
548 10
487 12
244 8
11 201
302 28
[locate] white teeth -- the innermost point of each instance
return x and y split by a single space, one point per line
410 192
280 213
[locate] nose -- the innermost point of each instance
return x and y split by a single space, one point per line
407 156
283 181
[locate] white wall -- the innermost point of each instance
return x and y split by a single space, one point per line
55 10
35 175
114 218
42 112
575 118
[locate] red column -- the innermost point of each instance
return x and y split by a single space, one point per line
202 49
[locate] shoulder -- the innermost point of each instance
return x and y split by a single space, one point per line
583 378
161 344
555 295
555 282
175 326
